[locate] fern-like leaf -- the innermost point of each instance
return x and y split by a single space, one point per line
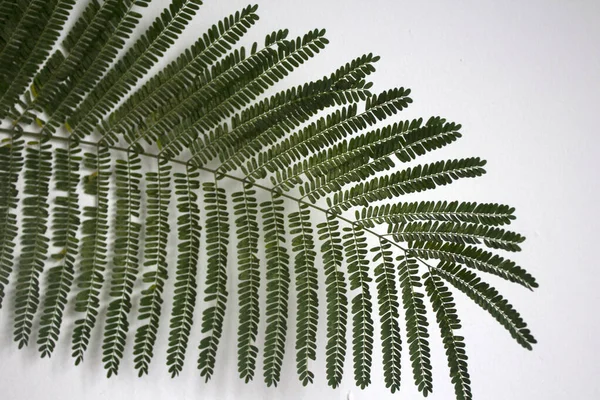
443 306
249 277
11 164
155 253
188 249
337 300
492 237
416 323
217 239
125 261
307 285
489 299
387 298
278 282
66 225
211 112
34 241
454 211
355 247
410 180
476 258
93 249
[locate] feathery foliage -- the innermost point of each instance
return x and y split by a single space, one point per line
125 261
97 155
355 248
188 249
307 284
155 254
416 323
448 321
387 297
217 239
337 299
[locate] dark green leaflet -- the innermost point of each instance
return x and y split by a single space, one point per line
278 284
188 221
337 300
65 224
443 306
249 276
387 298
217 239
125 261
416 323
307 284
158 197
34 241
93 249
355 247
11 163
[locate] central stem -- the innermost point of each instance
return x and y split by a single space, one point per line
221 174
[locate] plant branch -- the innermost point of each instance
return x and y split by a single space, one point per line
235 178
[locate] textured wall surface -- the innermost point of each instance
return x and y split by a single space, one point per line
523 79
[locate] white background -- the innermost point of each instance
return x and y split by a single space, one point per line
523 79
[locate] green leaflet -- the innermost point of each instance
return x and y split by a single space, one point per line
278 283
491 237
188 249
307 284
387 298
337 300
217 239
118 152
34 240
416 323
362 308
65 225
11 163
476 258
443 306
158 198
249 276
489 299
125 261
454 211
93 250
372 152
410 180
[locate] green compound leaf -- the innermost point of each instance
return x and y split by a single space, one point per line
124 171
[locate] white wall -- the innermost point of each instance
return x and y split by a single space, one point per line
522 77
